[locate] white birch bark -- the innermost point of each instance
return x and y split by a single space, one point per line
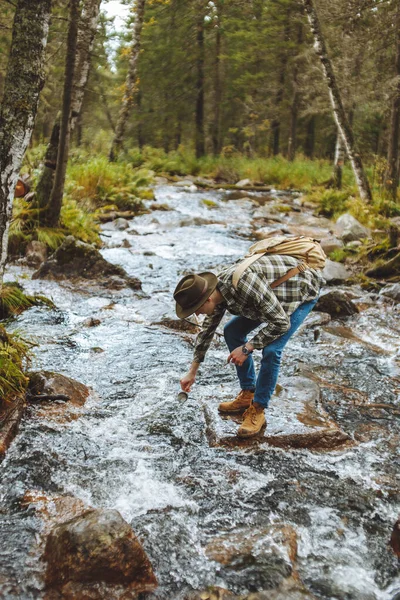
336 102
338 162
130 83
24 81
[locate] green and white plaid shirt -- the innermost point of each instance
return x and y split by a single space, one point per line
255 299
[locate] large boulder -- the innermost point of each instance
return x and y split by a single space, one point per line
77 260
349 229
331 243
334 272
337 304
47 383
97 546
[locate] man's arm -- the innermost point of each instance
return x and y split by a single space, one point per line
203 342
205 336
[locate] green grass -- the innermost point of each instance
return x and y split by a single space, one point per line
14 356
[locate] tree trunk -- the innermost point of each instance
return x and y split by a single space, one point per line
86 34
338 162
200 142
216 134
276 122
337 105
24 80
392 171
130 83
309 144
294 109
52 214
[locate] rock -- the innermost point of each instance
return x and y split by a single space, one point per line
243 183
395 538
119 224
10 417
49 383
337 304
161 180
334 272
354 244
36 253
178 325
290 589
263 557
392 291
97 546
77 260
126 243
162 207
91 322
329 244
349 229
313 232
385 268
184 183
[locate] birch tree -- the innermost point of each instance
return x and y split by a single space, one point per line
23 83
336 102
392 171
85 38
130 83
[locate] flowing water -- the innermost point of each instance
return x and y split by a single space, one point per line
159 461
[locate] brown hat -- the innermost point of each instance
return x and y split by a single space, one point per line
192 291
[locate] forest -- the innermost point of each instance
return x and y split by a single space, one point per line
142 141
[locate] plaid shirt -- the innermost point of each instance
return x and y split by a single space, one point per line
255 299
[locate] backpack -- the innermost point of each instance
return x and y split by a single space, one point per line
306 249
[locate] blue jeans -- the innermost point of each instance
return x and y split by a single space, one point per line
235 333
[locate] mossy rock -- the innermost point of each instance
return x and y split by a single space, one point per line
77 260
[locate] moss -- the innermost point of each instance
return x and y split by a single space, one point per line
15 352
13 301
209 203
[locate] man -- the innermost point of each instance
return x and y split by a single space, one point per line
279 312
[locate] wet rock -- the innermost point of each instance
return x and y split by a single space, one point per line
385 268
198 221
327 439
348 229
261 557
290 589
161 180
334 272
243 183
36 253
337 304
10 418
329 244
77 260
91 322
179 325
97 546
126 243
163 207
395 538
47 383
392 291
119 224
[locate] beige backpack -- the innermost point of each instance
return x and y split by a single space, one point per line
304 248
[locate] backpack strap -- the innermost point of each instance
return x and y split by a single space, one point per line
299 269
240 269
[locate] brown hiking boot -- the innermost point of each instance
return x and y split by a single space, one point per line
253 421
239 404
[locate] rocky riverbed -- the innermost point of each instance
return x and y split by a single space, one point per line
305 511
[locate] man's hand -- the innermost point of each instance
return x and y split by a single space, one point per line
187 381
237 357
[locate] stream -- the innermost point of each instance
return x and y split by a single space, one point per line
173 469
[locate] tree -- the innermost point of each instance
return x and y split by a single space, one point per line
85 38
24 80
130 83
336 102
392 171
